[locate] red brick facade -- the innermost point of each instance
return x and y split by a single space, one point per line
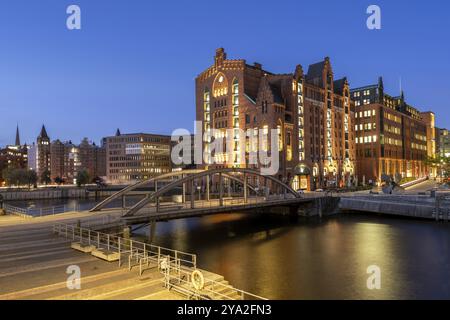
312 112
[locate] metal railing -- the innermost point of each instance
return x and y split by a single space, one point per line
211 203
123 246
41 212
177 266
180 280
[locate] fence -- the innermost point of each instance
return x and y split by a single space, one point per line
132 249
177 266
180 280
40 212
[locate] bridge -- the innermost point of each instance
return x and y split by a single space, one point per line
203 192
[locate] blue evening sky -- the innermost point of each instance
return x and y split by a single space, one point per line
134 62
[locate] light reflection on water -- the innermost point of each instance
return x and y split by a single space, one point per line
279 258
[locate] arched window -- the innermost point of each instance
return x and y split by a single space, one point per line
220 87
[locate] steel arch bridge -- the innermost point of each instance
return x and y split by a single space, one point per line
189 177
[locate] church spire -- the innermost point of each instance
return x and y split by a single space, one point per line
17 136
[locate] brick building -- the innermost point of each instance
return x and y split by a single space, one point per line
39 154
312 114
391 136
67 159
13 156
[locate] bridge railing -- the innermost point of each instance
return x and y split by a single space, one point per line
200 203
40 212
132 249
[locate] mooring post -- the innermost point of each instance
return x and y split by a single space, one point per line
126 237
245 188
184 190
438 207
220 189
192 194
207 188
152 229
319 207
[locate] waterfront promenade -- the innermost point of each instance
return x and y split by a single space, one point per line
34 261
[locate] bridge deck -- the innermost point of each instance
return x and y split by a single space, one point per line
202 208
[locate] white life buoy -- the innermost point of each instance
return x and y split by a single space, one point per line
197 279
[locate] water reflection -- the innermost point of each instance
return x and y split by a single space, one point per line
283 259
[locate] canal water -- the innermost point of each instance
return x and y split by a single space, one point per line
280 258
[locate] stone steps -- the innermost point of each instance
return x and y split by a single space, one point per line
108 288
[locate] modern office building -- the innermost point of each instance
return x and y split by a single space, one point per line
443 142
135 157
391 135
312 114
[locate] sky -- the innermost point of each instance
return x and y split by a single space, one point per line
133 63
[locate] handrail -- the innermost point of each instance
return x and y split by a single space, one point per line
212 289
178 271
119 244
40 212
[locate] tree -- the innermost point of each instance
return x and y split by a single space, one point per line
31 178
59 181
45 177
99 181
82 178
19 177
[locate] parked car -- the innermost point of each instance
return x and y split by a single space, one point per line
300 191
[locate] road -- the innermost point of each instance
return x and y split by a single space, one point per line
422 187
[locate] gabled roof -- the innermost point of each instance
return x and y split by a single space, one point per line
339 85
315 70
43 134
276 92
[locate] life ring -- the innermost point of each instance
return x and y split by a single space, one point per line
197 279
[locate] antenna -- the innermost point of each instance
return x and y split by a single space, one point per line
401 89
